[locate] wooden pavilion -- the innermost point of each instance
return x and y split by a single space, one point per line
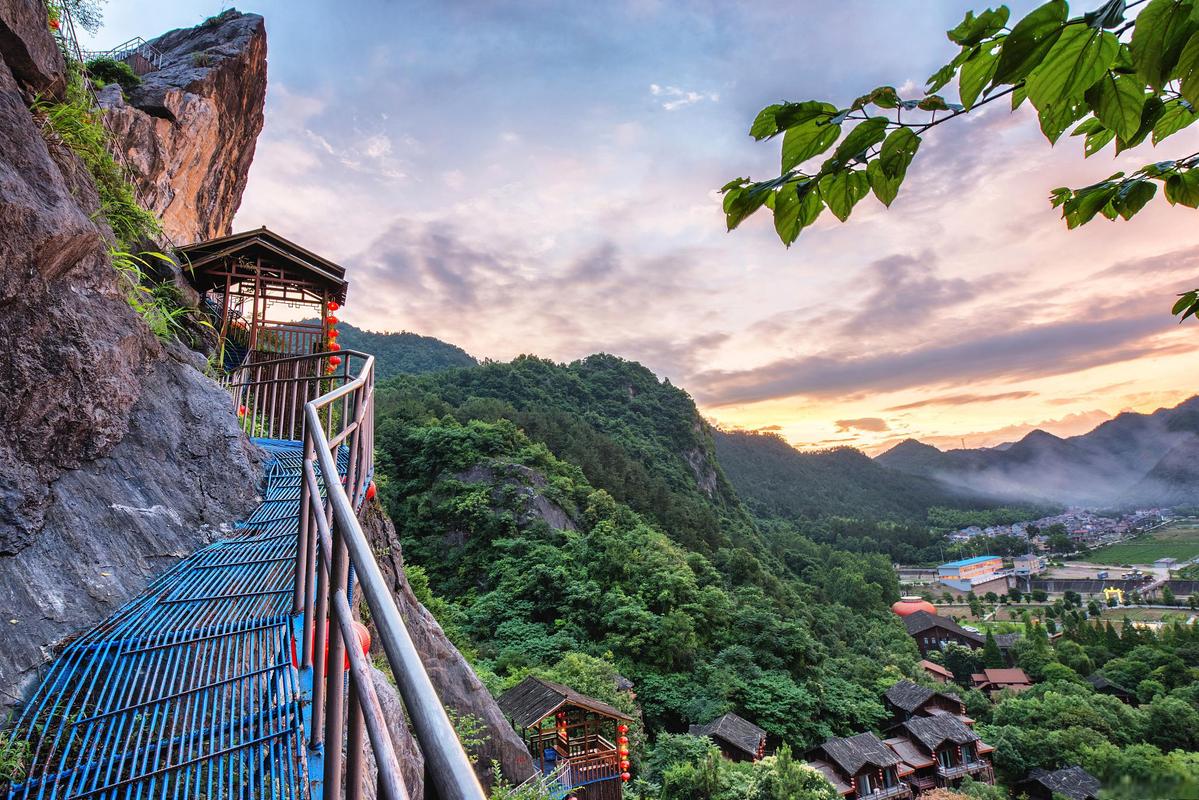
580 741
738 738
246 278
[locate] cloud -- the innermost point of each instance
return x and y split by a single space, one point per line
962 400
769 428
872 424
1033 351
674 98
905 290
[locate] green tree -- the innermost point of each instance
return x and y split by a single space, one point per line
1100 74
1167 595
992 657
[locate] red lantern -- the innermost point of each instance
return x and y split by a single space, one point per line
370 491
624 765
331 320
334 333
626 777
333 306
329 370
364 640
334 360
241 411
622 740
54 24
622 728
334 346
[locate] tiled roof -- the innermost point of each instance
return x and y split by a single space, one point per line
534 699
854 752
912 755
1072 782
920 621
909 696
735 730
932 732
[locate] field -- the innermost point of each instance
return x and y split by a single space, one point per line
1178 540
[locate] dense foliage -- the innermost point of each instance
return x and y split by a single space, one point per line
403 352
639 556
1109 77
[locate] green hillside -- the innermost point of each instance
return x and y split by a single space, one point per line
403 352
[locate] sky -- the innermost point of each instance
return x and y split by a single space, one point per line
542 177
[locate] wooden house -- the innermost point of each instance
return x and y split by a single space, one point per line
933 632
940 750
994 681
907 699
1074 783
738 738
581 742
1103 686
935 671
861 767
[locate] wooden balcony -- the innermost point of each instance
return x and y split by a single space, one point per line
900 790
962 770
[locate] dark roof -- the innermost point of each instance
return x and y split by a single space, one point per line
852 753
920 621
1073 782
910 753
1099 682
739 732
830 774
909 696
932 732
260 243
1006 640
534 699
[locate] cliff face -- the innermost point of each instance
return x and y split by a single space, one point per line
111 439
190 128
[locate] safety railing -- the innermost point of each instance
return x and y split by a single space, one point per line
139 54
335 395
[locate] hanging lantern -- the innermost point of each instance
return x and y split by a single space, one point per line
626 777
334 360
333 305
329 370
624 765
622 728
334 333
241 411
370 491
334 346
622 740
331 320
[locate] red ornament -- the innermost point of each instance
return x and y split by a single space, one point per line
333 305
334 333
241 411
622 740
622 728
370 491
54 25
334 360
329 370
334 346
626 777
331 320
624 765
364 640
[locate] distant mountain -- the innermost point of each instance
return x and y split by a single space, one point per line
404 352
776 480
1132 459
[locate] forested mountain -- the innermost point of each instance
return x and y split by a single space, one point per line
403 352
1130 459
572 521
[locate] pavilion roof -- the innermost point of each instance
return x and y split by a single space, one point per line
202 260
735 730
534 699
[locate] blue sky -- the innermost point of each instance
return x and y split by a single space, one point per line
540 177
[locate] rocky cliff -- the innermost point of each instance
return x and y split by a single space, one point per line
111 438
190 128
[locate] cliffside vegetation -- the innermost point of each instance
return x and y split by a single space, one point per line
403 352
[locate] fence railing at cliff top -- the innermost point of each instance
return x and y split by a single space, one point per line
333 413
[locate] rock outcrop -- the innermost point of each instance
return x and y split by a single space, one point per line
190 128
111 438
456 683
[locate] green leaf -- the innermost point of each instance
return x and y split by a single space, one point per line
1181 188
1161 30
885 187
1150 114
1088 126
1019 95
1029 41
933 102
972 30
842 190
1097 141
1086 203
1056 119
860 139
739 203
1078 59
764 124
1132 197
1176 115
883 97
809 139
1188 302
977 73
1108 15
897 152
1118 100
786 207
1188 70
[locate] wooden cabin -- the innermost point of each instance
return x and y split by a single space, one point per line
941 750
907 699
861 767
933 632
580 741
256 285
738 738
994 681
1074 783
935 671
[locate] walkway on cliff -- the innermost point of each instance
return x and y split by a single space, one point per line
190 689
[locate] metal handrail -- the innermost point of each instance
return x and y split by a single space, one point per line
338 426
135 46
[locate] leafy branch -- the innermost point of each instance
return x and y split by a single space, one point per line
1101 75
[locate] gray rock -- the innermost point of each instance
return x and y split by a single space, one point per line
412 762
28 47
455 681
